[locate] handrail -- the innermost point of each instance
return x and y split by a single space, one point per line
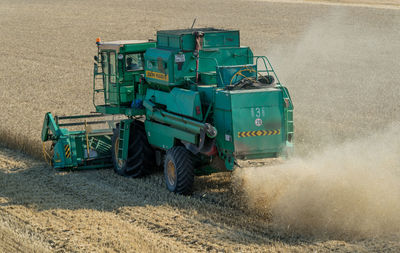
95 91
268 67
265 60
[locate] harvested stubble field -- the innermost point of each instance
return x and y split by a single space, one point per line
341 64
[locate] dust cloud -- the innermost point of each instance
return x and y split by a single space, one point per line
344 180
343 75
348 190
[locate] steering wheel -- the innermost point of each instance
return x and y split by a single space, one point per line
239 73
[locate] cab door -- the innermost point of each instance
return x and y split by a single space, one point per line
111 93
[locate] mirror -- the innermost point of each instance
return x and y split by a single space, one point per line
96 58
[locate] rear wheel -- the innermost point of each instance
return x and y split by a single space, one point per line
140 159
179 170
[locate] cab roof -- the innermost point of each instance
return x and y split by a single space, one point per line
115 45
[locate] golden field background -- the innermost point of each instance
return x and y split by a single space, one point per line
341 64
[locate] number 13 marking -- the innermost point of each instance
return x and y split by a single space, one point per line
258 112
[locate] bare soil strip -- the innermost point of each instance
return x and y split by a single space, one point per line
384 4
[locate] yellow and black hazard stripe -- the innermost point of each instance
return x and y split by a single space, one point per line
67 151
259 133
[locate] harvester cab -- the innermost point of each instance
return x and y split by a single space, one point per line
118 76
191 96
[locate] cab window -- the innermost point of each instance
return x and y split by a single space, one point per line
112 67
134 62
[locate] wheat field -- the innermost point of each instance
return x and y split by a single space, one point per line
340 63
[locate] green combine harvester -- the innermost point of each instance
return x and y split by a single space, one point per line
178 102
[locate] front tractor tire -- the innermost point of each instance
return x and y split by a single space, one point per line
140 154
179 170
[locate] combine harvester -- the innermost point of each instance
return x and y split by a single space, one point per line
192 95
